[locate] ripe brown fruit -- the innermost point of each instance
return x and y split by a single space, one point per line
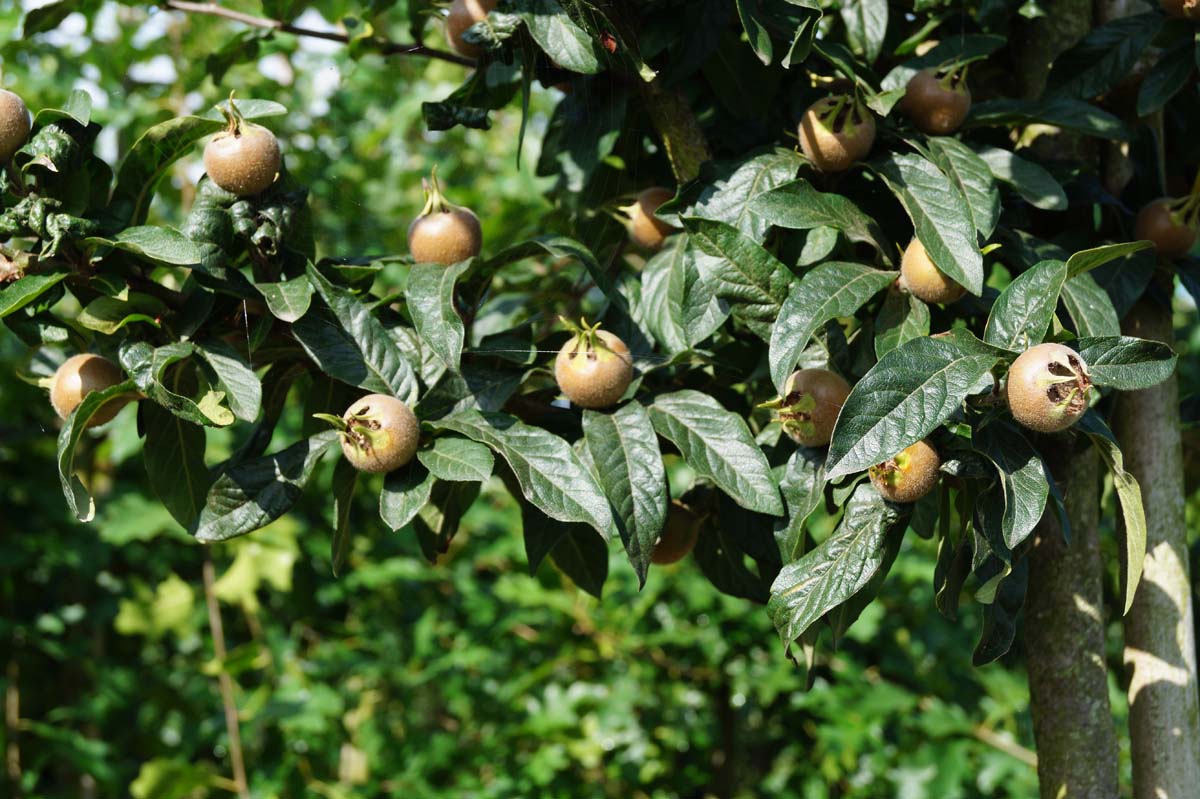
1048 387
644 228
937 104
244 159
79 376
908 476
678 536
443 233
379 433
920 276
811 402
14 124
836 132
593 368
1182 9
1165 222
463 14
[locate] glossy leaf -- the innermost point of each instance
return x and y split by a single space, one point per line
799 206
174 457
1126 363
1023 480
458 459
972 176
1037 186
1022 314
430 295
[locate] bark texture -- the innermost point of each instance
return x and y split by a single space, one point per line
1160 643
1064 642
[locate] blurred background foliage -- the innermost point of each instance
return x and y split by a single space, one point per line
405 679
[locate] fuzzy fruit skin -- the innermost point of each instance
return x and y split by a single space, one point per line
445 237
79 376
828 392
933 108
1041 372
1171 239
243 163
926 282
830 150
645 229
383 434
1182 9
909 476
594 379
14 124
678 536
463 14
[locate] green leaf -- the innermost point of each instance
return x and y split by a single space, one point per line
756 32
1076 116
288 300
174 456
1023 485
578 140
1000 615
802 484
866 25
729 191
830 290
958 49
839 567
1126 363
47 17
160 245
721 558
405 492
624 449
1037 186
717 445
1167 77
430 295
973 178
798 206
547 469
1103 58
438 520
901 319
458 459
1022 313
583 556
242 387
905 397
663 290
17 295
148 366
353 346
1086 260
1090 307
559 36
78 499
940 217
255 493
345 478
1130 495
107 315
744 273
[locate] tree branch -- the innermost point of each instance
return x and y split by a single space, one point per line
224 680
383 46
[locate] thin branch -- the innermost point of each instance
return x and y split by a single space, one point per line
224 680
383 46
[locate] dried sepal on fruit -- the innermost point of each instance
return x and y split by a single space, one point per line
836 132
15 124
461 16
938 100
244 159
644 228
443 233
909 475
678 536
1048 388
379 433
920 276
809 407
593 368
1170 223
79 376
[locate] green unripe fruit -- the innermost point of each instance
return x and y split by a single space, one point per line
1048 388
14 124
593 368
908 476
79 376
379 434
812 400
919 275
835 133
678 535
644 228
937 106
243 160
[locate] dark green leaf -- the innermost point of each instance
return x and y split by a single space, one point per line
78 499
174 456
1167 77
405 492
1090 307
901 319
288 300
430 295
798 206
1023 478
1073 115
1037 186
1103 58
458 459
972 176
559 36
1022 314
17 295
1126 363
345 478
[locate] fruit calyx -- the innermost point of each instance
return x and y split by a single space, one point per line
362 430
588 340
1066 385
842 114
810 404
233 117
435 201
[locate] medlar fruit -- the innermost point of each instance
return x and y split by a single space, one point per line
463 14
379 433
79 376
909 475
14 124
594 367
920 276
443 233
243 159
1048 388
1169 223
678 535
836 132
937 102
644 228
809 407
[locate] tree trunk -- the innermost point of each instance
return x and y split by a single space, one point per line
1064 644
1160 644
